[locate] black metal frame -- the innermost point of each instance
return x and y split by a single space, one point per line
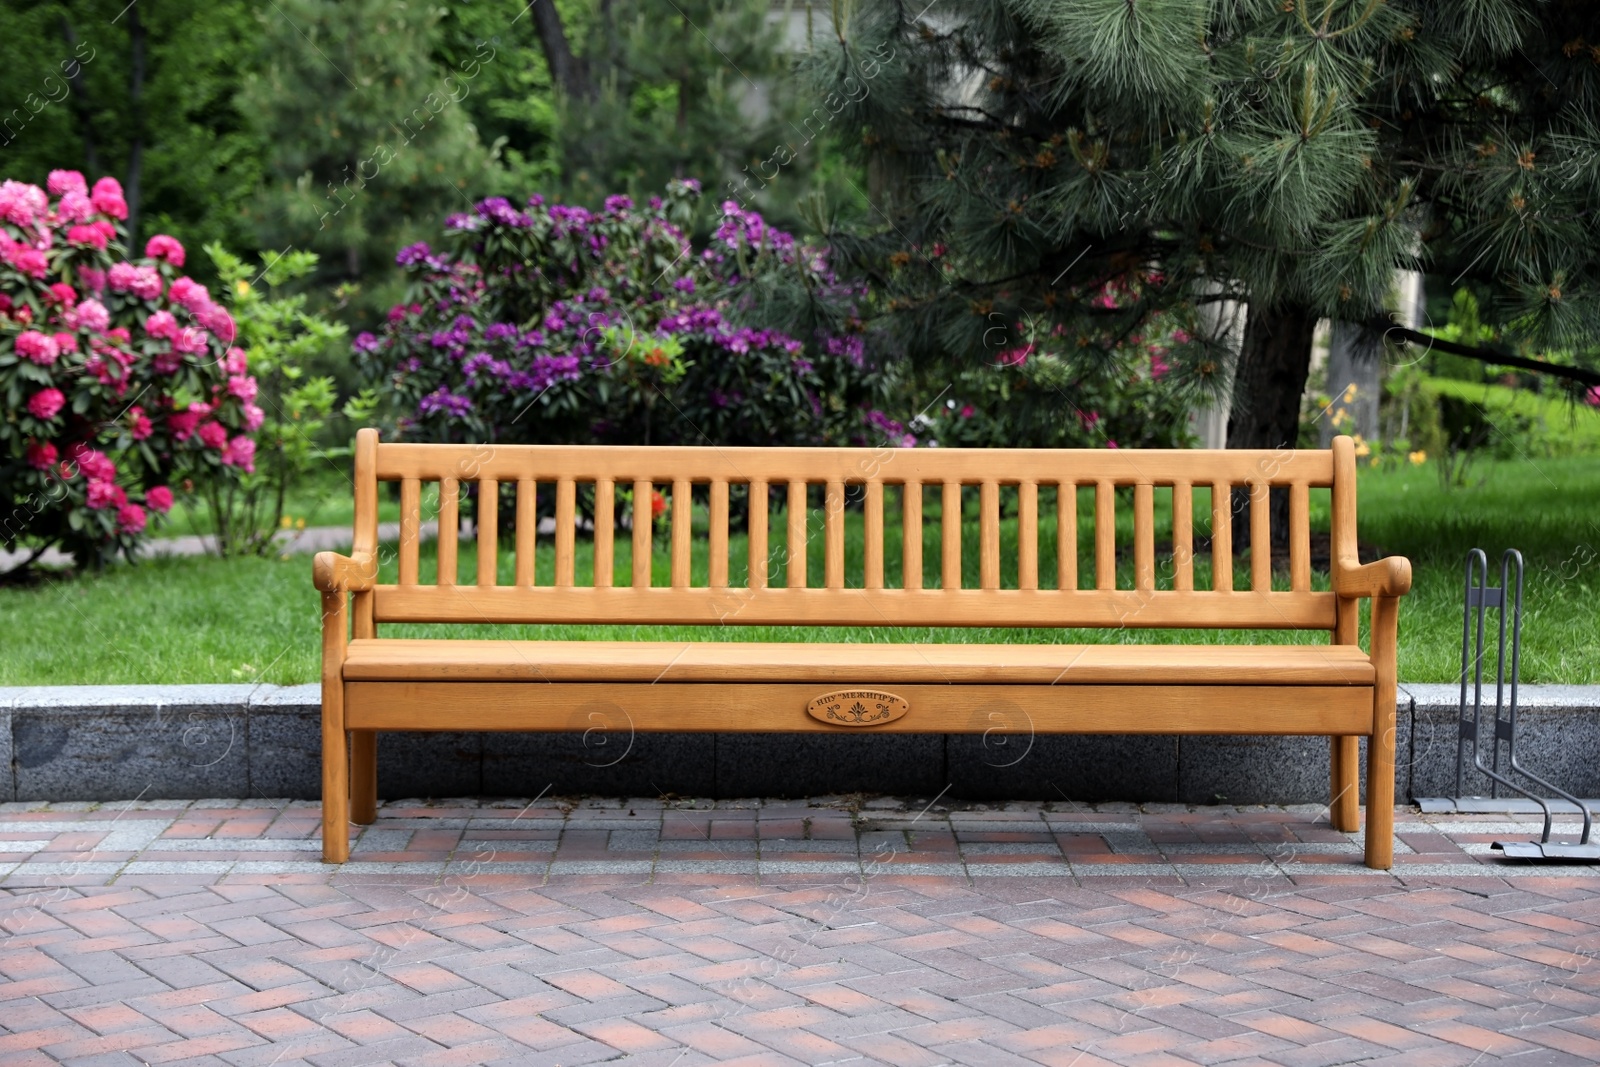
1481 597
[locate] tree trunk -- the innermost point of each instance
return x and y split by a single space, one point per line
131 187
1267 385
568 71
80 104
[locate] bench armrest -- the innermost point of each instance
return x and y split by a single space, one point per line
1390 576
333 573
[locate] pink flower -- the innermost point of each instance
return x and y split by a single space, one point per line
91 315
182 424
241 453
967 411
29 261
215 318
96 466
1593 396
253 417
61 293
46 403
1110 443
242 386
41 455
107 197
92 279
1158 366
161 324
66 342
158 499
142 282
1181 337
190 341
22 203
1014 357
62 182
106 495
130 519
75 206
142 427
89 236
213 434
163 247
38 348
236 361
189 294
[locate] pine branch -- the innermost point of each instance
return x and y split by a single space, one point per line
1496 356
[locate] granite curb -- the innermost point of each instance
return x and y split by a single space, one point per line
194 741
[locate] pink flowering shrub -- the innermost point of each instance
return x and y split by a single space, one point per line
120 375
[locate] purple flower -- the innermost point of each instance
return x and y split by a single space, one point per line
618 204
365 342
413 254
442 399
684 284
500 331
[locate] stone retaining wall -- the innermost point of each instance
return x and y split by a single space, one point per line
125 742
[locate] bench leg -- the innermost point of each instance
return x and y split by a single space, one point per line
364 776
1380 746
1344 810
335 793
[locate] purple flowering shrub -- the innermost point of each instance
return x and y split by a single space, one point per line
556 324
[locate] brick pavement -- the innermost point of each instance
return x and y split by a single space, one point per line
830 931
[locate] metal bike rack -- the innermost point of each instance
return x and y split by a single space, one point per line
1480 598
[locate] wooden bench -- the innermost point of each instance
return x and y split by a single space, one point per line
370 683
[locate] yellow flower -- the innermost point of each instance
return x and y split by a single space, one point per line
1362 448
1350 392
300 524
1417 458
285 522
242 288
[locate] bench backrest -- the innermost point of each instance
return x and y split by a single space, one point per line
886 479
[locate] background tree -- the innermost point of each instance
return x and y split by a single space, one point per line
368 141
144 93
1028 155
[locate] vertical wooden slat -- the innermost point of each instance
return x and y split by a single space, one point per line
911 535
1067 535
566 531
1222 537
1028 534
1182 535
682 527
950 537
1144 537
795 558
410 528
719 534
449 527
833 536
527 529
488 531
872 565
1260 537
1300 537
1105 534
364 538
989 535
605 517
757 577
643 531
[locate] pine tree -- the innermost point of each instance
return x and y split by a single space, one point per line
1291 155
370 146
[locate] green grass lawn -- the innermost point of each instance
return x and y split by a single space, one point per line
205 620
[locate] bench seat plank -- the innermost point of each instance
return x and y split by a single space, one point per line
744 707
398 659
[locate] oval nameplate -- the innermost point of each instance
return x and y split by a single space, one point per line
857 707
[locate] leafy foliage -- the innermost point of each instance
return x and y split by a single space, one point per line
557 324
